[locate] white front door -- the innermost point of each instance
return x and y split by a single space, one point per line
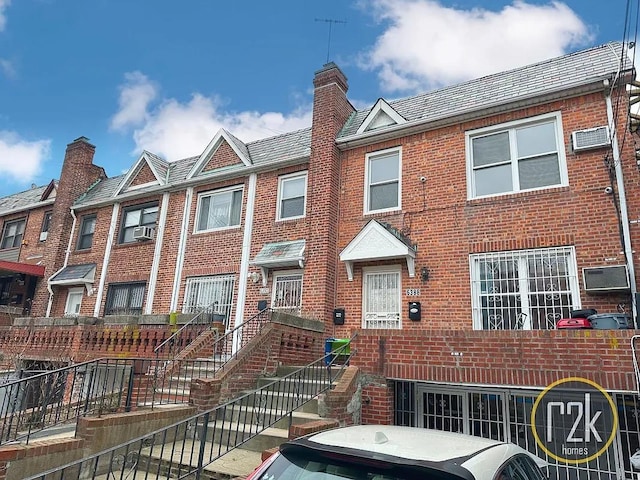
74 300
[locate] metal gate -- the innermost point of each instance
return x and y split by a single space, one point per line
505 415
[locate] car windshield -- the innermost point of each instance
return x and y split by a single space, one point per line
301 466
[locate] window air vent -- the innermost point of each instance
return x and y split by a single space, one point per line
591 138
603 279
142 233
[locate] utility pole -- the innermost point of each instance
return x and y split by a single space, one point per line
330 21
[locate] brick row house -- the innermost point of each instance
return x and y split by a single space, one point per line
450 230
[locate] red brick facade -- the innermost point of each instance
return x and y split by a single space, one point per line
439 218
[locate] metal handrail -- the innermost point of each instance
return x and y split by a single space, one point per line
203 438
176 334
171 389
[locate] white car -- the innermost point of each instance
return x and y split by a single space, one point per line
385 452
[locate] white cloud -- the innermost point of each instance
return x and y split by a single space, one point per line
21 160
135 95
7 68
4 4
176 130
428 45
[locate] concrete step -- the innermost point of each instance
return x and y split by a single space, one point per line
306 386
225 433
283 401
260 416
238 462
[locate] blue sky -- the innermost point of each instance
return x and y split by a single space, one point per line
166 75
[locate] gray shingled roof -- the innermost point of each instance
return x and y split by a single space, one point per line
22 200
503 88
160 165
265 152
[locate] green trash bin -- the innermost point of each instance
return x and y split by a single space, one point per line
333 344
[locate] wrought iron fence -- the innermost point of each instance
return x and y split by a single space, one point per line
30 402
183 449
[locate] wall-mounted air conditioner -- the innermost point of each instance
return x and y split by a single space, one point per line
605 279
590 138
142 233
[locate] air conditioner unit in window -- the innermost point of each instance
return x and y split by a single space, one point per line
142 233
604 279
43 236
590 138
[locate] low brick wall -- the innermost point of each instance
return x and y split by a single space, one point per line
93 435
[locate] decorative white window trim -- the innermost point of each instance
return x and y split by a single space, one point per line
511 128
213 193
389 319
367 183
281 182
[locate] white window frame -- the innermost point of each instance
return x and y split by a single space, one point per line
367 184
369 271
199 290
281 182
213 193
285 273
521 293
511 127
73 294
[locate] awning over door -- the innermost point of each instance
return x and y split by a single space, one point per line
26 268
82 274
279 255
378 242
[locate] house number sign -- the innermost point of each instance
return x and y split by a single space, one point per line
413 292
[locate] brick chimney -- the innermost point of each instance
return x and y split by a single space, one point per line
77 175
331 109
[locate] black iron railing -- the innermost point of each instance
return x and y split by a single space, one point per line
32 402
183 449
172 377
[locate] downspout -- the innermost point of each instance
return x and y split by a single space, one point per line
155 266
64 265
182 246
624 217
246 252
105 261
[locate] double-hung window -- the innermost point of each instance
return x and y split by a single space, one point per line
12 234
381 297
287 291
292 196
137 216
523 289
382 189
517 156
87 229
219 209
125 299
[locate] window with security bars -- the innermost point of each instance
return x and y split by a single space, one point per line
523 290
381 298
287 292
125 299
212 295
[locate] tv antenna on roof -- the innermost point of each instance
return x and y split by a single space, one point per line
330 21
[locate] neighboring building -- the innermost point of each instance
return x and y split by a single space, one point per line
450 230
